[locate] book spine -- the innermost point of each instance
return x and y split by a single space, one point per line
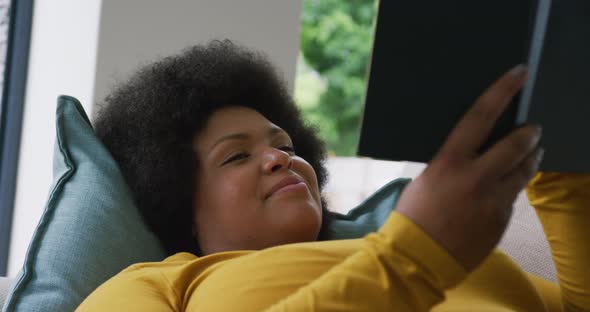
534 59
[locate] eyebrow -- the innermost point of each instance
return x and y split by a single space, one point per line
273 131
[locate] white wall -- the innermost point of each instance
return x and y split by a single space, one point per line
82 48
136 31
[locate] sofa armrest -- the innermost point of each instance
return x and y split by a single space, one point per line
525 241
5 284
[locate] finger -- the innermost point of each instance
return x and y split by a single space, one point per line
508 153
517 179
475 126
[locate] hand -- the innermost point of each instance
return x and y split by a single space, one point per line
464 200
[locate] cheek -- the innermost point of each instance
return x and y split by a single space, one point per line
227 209
230 192
304 169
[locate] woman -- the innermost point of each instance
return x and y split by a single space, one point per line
229 177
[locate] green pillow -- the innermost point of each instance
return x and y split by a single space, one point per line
90 229
370 214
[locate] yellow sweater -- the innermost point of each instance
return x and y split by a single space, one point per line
399 268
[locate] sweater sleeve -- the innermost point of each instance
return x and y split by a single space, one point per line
562 203
399 268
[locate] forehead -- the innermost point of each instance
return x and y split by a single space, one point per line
231 120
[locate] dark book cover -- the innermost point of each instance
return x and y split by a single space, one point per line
560 98
432 59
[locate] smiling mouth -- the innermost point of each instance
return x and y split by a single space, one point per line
297 187
285 182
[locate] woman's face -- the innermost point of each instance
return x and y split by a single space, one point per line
252 191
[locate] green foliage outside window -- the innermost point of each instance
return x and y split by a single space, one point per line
336 42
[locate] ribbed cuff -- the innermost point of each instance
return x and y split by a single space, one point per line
415 244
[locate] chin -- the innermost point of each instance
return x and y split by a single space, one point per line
302 229
296 217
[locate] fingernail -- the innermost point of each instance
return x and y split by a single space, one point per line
540 155
538 130
534 135
518 70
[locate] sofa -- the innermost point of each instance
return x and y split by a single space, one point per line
5 283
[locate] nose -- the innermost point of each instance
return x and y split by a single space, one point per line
276 160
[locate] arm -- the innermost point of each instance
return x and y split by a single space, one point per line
459 208
562 203
399 268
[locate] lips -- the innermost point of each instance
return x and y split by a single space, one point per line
290 180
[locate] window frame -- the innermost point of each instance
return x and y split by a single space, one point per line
12 105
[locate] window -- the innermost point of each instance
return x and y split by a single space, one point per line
15 29
4 23
336 43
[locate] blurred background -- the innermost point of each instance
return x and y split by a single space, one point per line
336 41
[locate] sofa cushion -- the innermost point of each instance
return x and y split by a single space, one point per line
90 229
369 215
4 286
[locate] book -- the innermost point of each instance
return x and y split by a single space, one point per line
431 60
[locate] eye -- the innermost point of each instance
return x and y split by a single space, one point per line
235 157
287 148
